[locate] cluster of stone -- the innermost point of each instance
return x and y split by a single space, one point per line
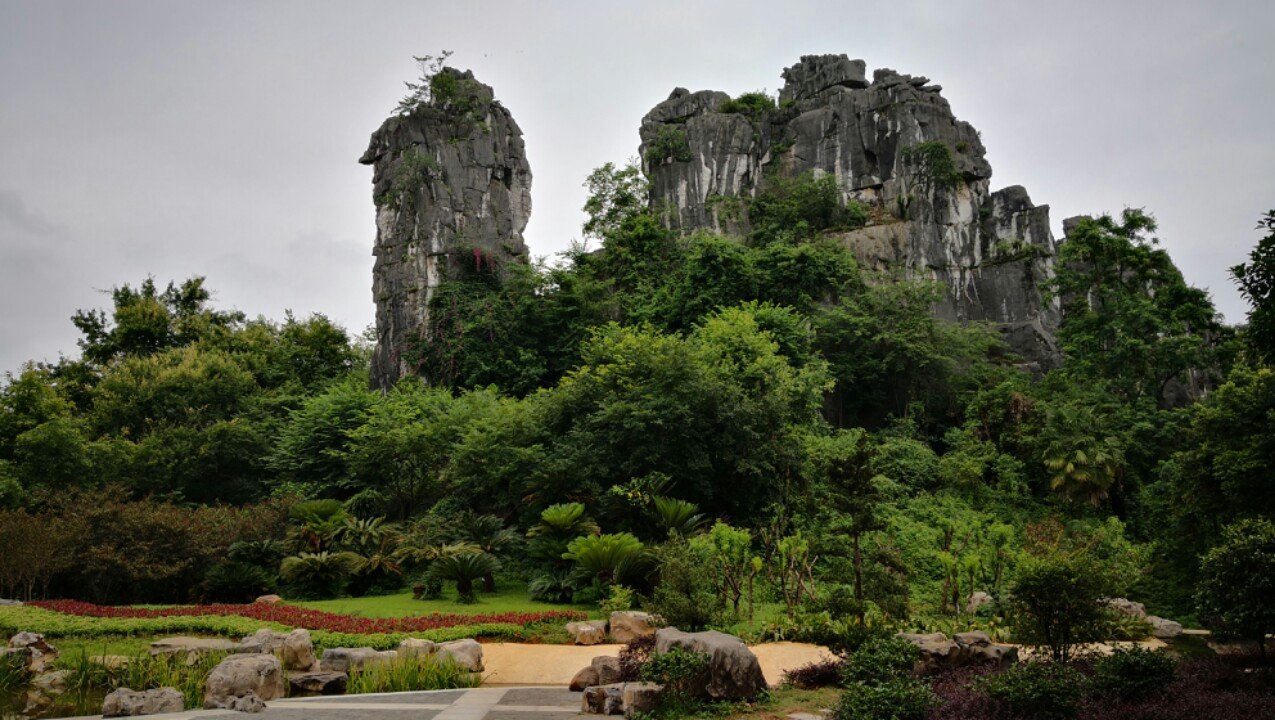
940 654
1162 628
992 251
621 627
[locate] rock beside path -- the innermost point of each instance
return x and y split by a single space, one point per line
347 659
124 702
192 648
588 632
629 624
318 683
938 653
733 670
238 676
1163 628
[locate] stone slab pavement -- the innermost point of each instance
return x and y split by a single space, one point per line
484 703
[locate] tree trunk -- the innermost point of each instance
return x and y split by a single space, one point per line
489 583
858 579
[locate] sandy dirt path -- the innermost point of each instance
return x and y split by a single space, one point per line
525 664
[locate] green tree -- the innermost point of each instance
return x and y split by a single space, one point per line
1237 579
1054 603
615 195
1256 279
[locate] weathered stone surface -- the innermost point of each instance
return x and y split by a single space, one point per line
1126 606
111 662
733 670
51 682
239 675
992 251
269 600
640 697
264 640
938 653
607 668
124 702
453 191
977 600
248 703
297 651
465 653
629 624
317 683
603 700
588 632
413 647
1164 628
587 676
347 659
192 648
38 655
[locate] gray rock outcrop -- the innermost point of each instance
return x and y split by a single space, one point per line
36 654
588 632
992 251
629 624
939 654
349 659
467 653
124 702
453 192
317 683
242 675
734 673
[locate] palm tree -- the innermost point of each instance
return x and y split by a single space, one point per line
489 533
677 516
1082 465
548 540
319 523
321 574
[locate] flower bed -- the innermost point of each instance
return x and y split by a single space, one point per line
295 616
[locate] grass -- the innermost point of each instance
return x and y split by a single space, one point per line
404 674
777 705
511 598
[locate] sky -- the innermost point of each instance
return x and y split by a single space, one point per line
172 139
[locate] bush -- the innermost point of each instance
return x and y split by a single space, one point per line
815 675
1054 603
753 104
1043 690
236 582
683 674
1239 580
686 596
880 658
669 145
1132 673
634 655
894 699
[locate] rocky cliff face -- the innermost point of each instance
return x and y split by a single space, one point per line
933 215
452 188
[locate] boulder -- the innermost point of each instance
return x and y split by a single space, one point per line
269 600
264 640
733 670
124 702
317 683
1164 628
979 648
111 662
640 697
248 703
37 654
587 677
240 675
589 632
52 682
465 653
1126 606
347 659
938 653
629 624
603 699
976 601
192 648
413 647
607 668
297 651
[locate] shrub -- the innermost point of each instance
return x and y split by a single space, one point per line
669 145
879 659
1132 673
753 104
686 596
634 655
1238 581
1054 603
683 674
813 675
236 582
317 575
464 569
617 598
1043 690
893 699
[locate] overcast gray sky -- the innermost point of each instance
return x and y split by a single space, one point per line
221 138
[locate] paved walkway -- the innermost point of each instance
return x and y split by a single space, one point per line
485 703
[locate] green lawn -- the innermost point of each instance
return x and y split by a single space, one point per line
510 597
71 647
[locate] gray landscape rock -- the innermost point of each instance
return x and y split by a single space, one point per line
939 653
347 659
51 682
453 192
124 702
640 697
465 653
6 601
262 641
1126 606
629 624
297 651
248 703
979 649
192 648
317 683
239 675
414 647
977 600
588 632
603 699
1164 628
993 252
607 668
734 672
37 654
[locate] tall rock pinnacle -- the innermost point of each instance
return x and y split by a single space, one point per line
883 140
453 190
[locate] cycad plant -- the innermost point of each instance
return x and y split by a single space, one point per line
318 575
602 558
489 533
547 542
677 516
464 569
318 524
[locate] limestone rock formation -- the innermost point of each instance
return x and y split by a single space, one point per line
453 191
992 251
124 702
244 682
734 672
